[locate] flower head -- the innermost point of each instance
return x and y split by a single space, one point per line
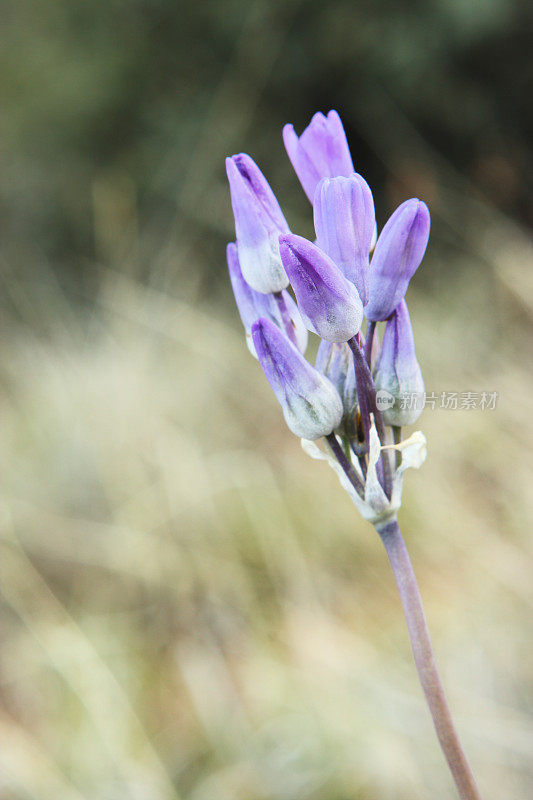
336 285
321 151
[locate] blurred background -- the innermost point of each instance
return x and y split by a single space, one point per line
192 607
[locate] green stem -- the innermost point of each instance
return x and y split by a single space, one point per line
425 661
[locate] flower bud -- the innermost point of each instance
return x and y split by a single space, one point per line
252 305
320 152
398 253
334 360
258 224
345 223
349 395
329 304
311 405
398 376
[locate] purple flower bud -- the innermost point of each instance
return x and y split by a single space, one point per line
349 395
252 305
399 251
398 377
345 223
311 405
258 224
320 152
334 359
329 304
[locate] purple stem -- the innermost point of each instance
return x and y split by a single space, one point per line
285 317
363 387
349 471
425 661
368 342
366 395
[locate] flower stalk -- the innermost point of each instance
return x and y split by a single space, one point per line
347 467
425 661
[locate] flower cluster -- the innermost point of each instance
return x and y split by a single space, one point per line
348 275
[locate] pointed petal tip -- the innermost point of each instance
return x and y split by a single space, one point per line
242 158
232 170
230 165
259 323
290 139
257 332
292 245
241 164
423 211
264 327
334 116
301 248
413 206
231 252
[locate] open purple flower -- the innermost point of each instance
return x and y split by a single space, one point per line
321 151
329 304
344 223
258 224
399 250
311 405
